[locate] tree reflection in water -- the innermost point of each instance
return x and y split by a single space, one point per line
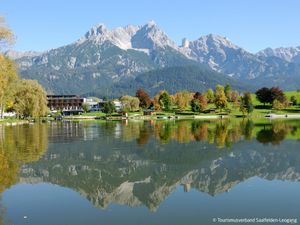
222 133
19 145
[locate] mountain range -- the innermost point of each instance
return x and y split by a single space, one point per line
118 61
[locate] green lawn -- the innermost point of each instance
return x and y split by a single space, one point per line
94 114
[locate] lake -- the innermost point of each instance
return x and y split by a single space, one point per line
150 172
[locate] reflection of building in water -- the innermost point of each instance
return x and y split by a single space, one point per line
65 131
90 132
118 130
71 130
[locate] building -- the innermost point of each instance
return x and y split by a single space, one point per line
93 105
68 104
118 105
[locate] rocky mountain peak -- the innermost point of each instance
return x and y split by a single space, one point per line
217 41
289 54
150 36
97 30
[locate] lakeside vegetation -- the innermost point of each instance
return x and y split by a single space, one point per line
221 101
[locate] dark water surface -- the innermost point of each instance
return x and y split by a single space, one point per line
150 172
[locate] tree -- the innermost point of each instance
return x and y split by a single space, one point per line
109 107
30 99
182 99
199 102
86 107
234 96
6 35
228 91
145 100
8 75
210 96
130 103
195 105
165 100
278 105
294 100
220 98
277 94
246 105
264 95
156 103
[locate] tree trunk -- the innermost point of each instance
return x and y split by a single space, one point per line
1 107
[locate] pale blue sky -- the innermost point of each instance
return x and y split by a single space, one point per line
252 24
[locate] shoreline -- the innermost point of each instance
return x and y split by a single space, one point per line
157 117
180 117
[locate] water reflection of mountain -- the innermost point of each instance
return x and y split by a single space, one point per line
142 163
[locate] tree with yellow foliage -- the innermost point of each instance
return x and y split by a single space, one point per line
220 98
8 75
182 99
6 35
30 99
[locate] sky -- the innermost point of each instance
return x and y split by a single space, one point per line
251 24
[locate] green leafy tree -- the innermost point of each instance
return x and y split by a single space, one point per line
109 107
30 99
165 100
228 91
293 100
210 96
86 107
220 98
246 106
130 103
195 106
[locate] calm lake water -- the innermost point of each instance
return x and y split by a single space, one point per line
149 172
